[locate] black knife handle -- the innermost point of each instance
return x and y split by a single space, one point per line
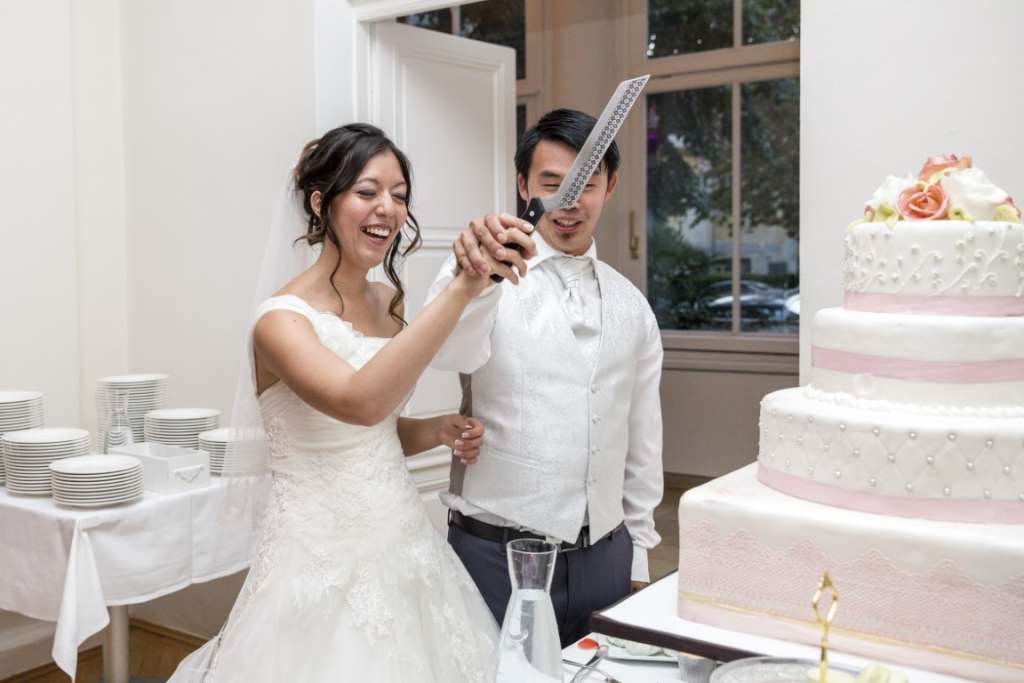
532 215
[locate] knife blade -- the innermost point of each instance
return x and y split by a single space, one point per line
589 157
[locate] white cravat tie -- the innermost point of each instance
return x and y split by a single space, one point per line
571 269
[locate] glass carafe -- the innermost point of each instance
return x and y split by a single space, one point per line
529 648
119 432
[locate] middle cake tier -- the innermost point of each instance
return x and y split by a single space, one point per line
948 365
910 465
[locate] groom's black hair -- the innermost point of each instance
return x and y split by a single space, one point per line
568 126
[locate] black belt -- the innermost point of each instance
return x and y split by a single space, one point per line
504 534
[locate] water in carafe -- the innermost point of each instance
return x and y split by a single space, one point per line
529 649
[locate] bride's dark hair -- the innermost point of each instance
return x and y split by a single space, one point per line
331 164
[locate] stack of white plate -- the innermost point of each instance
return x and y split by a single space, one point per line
28 454
90 481
248 455
145 393
180 426
19 410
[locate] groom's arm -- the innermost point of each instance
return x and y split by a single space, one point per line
644 477
468 347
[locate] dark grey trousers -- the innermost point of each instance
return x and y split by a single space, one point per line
585 580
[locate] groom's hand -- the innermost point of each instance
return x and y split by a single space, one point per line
504 237
635 586
461 434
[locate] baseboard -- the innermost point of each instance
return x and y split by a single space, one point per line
169 633
94 655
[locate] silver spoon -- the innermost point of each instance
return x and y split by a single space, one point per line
591 663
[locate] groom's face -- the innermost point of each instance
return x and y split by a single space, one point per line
569 230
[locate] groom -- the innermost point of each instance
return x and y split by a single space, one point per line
563 371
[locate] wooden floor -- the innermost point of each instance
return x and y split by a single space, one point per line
155 652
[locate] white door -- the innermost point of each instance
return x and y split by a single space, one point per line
449 104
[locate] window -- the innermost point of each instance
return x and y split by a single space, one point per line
722 162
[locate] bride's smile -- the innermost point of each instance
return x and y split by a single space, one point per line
368 217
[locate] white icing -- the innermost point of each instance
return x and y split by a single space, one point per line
970 189
920 337
880 453
936 338
851 401
889 191
937 588
951 258
898 393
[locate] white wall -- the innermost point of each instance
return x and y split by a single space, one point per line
218 102
39 334
144 143
884 85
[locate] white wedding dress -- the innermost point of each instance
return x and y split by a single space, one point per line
350 580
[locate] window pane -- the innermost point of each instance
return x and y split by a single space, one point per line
766 21
689 218
769 206
675 27
501 22
438 20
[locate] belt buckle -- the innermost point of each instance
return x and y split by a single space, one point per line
582 541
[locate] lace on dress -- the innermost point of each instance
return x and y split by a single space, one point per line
347 563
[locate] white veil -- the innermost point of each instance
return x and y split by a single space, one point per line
246 451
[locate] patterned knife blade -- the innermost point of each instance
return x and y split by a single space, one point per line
589 156
593 149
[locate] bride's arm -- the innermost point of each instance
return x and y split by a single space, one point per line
288 347
457 432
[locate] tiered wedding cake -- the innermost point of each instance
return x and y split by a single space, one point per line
909 441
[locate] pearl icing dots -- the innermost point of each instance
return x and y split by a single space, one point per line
947 491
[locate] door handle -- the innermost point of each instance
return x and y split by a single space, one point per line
634 239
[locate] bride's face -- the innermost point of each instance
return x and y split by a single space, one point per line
367 218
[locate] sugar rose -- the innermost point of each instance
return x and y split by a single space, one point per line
926 203
941 162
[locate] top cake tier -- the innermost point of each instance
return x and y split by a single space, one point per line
948 242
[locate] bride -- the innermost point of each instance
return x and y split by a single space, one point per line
350 581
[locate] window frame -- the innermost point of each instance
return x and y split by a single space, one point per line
726 66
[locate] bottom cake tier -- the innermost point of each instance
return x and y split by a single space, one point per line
941 596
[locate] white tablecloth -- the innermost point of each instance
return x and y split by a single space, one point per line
67 565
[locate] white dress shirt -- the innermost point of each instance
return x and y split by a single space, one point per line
564 371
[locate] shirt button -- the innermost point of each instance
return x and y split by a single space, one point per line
593 389
595 450
595 419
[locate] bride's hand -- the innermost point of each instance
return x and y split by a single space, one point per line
461 434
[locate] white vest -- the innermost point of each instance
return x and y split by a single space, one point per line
562 426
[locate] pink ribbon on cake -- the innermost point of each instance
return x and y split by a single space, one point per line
943 509
934 305
958 372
